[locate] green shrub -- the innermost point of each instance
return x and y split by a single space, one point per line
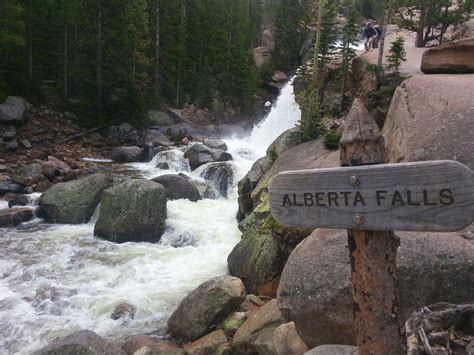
332 138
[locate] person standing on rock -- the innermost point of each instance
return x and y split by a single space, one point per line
369 33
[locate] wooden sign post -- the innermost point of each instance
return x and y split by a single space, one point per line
371 201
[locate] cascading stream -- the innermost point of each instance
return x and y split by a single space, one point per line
57 279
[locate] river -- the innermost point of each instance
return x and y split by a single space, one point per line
57 279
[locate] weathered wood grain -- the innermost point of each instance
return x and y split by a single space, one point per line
424 196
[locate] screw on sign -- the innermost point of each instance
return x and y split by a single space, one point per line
371 201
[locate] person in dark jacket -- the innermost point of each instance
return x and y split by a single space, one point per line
375 44
369 33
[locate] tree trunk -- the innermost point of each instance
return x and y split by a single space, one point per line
156 66
99 55
385 22
373 254
319 5
66 69
420 38
30 44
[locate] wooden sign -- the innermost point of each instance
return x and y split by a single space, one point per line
426 196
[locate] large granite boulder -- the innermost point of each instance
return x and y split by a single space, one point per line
127 154
206 306
199 154
13 111
178 187
315 289
450 58
155 138
258 259
133 211
427 124
82 342
74 201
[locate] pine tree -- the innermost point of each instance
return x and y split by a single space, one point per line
397 54
349 38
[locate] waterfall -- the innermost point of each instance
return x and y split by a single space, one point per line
57 279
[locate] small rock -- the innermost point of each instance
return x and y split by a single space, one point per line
216 144
43 185
232 323
10 187
279 77
251 302
163 165
124 133
137 342
127 154
333 350
199 154
178 187
207 344
32 171
11 146
13 111
9 133
26 143
22 200
124 310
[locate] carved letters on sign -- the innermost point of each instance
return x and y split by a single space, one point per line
431 196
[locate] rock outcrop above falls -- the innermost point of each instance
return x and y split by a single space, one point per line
451 58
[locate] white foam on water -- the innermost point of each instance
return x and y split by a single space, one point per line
57 279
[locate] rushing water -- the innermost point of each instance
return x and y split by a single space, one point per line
57 279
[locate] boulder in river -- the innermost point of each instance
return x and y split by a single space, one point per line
127 154
199 154
74 201
10 187
21 200
221 175
13 111
206 306
315 288
155 138
54 167
215 143
14 216
133 211
455 57
178 187
81 342
124 310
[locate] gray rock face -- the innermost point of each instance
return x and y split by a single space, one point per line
10 187
127 154
199 154
315 288
206 306
221 175
178 187
13 111
124 133
447 111
132 211
450 58
81 342
333 350
216 144
74 201
14 216
32 171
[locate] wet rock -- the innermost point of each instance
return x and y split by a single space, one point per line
22 200
14 216
178 187
132 211
81 342
163 165
232 323
221 175
215 143
124 133
13 111
124 310
10 187
32 171
333 350
207 344
268 315
156 138
315 288
127 154
199 154
74 201
450 58
26 143
160 118
207 305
